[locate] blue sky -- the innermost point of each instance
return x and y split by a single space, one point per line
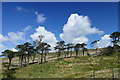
16 16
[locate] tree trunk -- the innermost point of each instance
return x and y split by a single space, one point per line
9 64
115 43
76 52
25 61
19 61
58 55
33 58
83 52
45 58
96 50
28 59
68 53
71 52
38 59
65 55
8 67
22 66
42 57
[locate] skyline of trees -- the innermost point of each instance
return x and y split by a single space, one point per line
40 48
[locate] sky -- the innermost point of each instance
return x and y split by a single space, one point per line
73 22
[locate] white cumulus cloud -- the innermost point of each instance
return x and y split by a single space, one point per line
76 29
40 17
49 37
3 39
12 39
2 47
16 37
104 42
14 50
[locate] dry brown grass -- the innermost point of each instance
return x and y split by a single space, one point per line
100 74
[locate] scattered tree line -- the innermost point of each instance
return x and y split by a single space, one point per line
40 49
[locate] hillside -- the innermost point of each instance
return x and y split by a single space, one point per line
74 67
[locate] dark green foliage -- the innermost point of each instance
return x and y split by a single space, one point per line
116 37
9 54
93 44
21 54
110 50
60 48
28 50
76 48
68 47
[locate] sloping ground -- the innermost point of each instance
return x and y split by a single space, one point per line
75 67
105 73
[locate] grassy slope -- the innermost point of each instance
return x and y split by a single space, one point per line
72 68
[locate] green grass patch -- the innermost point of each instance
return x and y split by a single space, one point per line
81 66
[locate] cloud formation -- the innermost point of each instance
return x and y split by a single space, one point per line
16 37
49 37
104 42
27 28
3 39
76 29
2 47
21 9
12 39
14 50
40 18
